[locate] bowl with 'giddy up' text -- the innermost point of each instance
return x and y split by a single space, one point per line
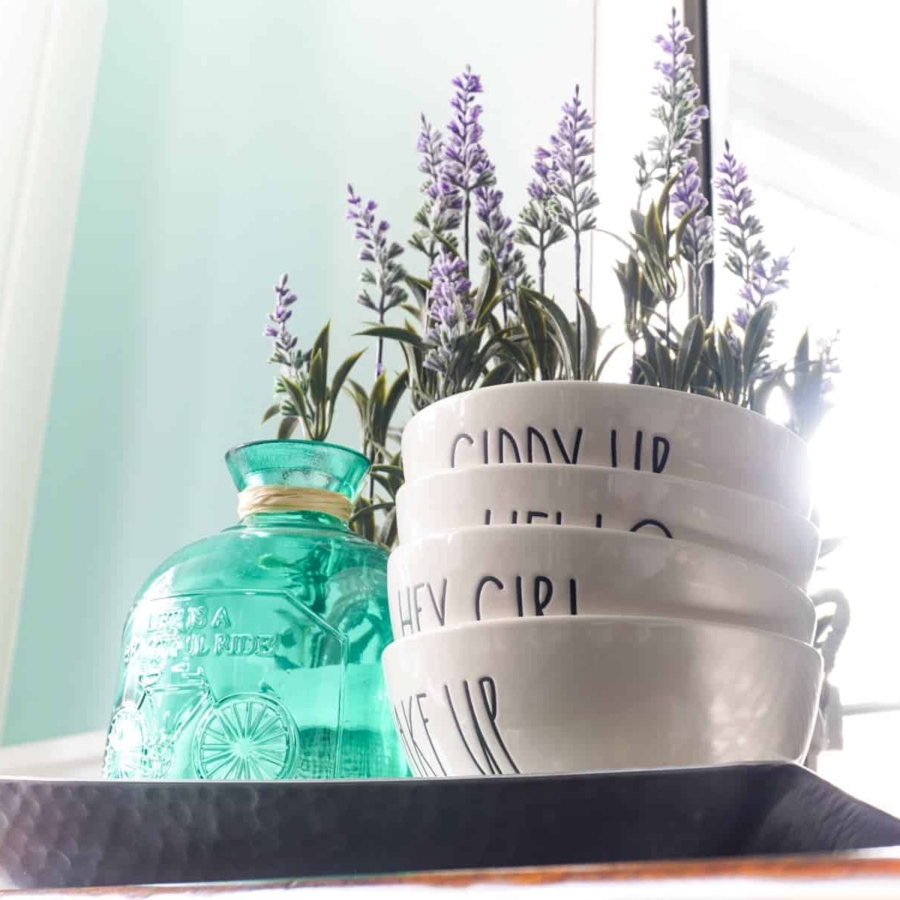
620 426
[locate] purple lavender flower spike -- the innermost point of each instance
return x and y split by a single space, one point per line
439 216
450 311
747 257
567 169
385 273
436 187
284 349
466 166
697 246
496 236
678 112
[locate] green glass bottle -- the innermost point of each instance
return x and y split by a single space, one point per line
256 653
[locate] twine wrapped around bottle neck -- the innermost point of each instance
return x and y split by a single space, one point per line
276 498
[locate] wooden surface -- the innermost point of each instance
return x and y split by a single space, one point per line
852 875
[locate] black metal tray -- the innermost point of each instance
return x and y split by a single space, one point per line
79 834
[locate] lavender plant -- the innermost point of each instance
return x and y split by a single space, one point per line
439 216
450 312
462 346
304 396
539 225
732 363
456 338
566 174
809 384
550 341
466 166
739 359
373 515
747 256
697 241
496 237
671 166
678 111
384 273
650 275
567 170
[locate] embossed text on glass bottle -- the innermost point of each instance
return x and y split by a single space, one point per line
255 653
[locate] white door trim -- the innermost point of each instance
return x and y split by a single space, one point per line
34 273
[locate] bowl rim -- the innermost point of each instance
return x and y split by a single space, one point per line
671 396
599 621
530 469
533 531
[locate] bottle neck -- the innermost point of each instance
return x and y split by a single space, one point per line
299 518
275 498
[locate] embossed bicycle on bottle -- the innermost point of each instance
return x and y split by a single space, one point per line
245 735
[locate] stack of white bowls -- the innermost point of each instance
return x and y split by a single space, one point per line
597 576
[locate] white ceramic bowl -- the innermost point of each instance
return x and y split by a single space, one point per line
569 695
616 499
505 571
615 425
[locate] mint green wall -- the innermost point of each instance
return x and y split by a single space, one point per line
223 136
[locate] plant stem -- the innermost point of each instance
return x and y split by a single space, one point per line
576 228
577 305
379 353
466 230
668 227
745 249
697 278
542 265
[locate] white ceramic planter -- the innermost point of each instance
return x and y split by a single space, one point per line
616 499
506 571
567 695
620 426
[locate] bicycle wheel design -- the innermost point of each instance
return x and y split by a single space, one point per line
125 742
246 736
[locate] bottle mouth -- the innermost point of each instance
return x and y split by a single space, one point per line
291 464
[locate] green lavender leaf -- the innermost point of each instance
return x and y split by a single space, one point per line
726 366
318 387
755 336
340 376
590 343
665 371
392 333
286 427
273 410
647 371
689 351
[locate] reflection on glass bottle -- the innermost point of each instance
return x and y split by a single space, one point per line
255 653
